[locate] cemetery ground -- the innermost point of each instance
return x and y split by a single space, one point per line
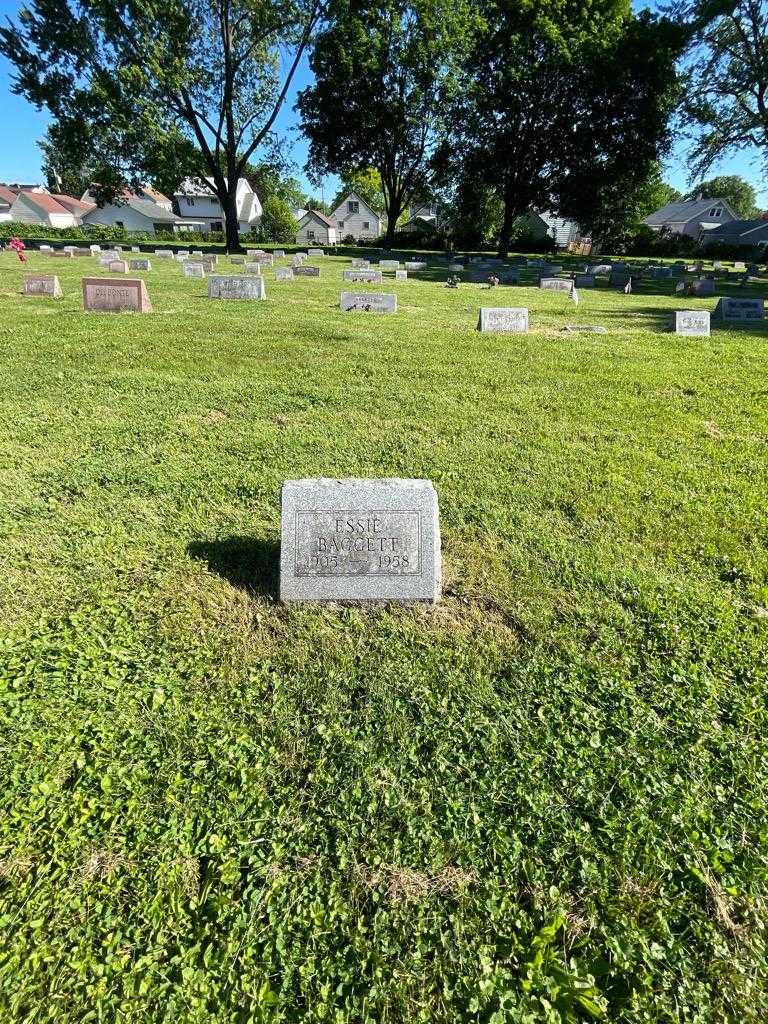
544 799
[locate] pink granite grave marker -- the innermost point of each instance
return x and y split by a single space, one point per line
102 295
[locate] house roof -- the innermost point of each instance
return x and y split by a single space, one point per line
157 214
321 217
43 201
16 187
737 227
195 187
151 210
422 221
7 197
552 220
154 195
76 206
356 195
682 212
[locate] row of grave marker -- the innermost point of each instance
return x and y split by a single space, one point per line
104 294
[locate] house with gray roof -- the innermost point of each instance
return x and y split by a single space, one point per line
739 232
315 228
690 217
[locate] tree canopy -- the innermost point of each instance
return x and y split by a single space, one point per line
381 70
726 103
564 106
136 88
737 192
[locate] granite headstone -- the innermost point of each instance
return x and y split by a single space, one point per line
360 540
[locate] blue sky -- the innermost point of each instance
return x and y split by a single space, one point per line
23 125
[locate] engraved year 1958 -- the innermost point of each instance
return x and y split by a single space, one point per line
341 543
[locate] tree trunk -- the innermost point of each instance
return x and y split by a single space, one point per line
394 209
231 224
505 234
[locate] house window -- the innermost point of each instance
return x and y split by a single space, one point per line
216 225
366 225
716 211
190 200
310 235
353 207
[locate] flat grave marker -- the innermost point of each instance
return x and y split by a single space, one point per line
691 322
555 284
703 286
102 295
42 284
503 319
303 270
360 541
740 310
367 276
368 302
236 286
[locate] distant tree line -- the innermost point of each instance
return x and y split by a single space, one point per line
493 107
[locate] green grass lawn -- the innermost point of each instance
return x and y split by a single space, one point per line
545 799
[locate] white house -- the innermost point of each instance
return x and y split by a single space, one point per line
195 200
356 218
133 213
76 207
541 225
690 217
316 229
38 207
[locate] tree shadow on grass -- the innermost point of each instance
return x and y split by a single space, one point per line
250 563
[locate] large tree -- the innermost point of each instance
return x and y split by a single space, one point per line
196 84
562 100
625 95
727 96
737 192
381 68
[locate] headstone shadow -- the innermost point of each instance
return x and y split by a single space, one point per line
251 564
